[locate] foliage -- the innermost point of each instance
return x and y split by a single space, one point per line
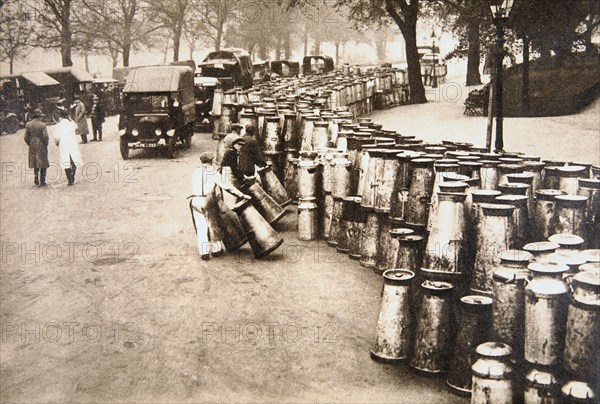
16 37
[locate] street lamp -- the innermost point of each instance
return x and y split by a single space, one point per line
500 11
433 75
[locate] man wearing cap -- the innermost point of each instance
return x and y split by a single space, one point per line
250 154
80 119
203 205
36 137
230 166
97 115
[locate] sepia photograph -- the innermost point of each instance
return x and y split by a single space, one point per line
299 201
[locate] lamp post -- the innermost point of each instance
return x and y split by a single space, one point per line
500 11
433 74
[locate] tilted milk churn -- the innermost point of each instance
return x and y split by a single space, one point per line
577 392
394 324
263 238
473 330
307 219
546 301
434 332
419 193
581 355
355 232
368 246
445 245
568 176
233 232
508 311
273 186
569 215
541 386
489 174
543 213
492 381
520 217
495 233
263 202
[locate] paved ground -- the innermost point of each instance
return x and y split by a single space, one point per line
104 299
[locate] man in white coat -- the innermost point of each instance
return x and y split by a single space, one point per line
65 138
205 179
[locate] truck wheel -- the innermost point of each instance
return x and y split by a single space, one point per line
11 125
124 147
172 147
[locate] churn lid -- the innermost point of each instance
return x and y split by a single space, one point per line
572 258
571 171
398 277
494 349
590 267
579 391
515 256
548 267
566 240
541 378
572 201
437 287
485 195
541 247
476 303
592 255
454 177
401 232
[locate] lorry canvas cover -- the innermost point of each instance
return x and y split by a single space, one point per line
39 79
156 79
69 75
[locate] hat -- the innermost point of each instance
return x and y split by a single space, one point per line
206 157
236 141
236 126
37 113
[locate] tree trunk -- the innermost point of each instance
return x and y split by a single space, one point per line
176 42
126 52
337 52
218 38
12 62
317 47
474 55
417 91
86 58
65 44
380 46
526 74
306 42
288 47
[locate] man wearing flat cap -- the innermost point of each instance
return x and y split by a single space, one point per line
203 205
36 137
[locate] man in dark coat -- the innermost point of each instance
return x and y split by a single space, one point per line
97 115
250 154
36 137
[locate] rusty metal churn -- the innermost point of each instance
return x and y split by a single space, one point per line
581 355
345 222
273 186
356 229
368 244
307 219
495 233
546 301
568 176
410 252
272 138
473 329
262 237
385 245
394 324
520 217
445 244
508 310
493 375
489 174
334 225
434 331
541 386
263 202
543 213
290 173
569 215
291 138
419 193
577 392
391 257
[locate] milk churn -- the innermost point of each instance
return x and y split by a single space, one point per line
291 138
543 213
541 386
505 169
492 375
385 245
356 229
228 117
272 140
572 258
567 241
290 173
263 202
373 173
307 219
335 225
307 127
368 246
535 168
248 119
233 232
434 332
340 175
419 193
471 169
327 215
489 174
326 160
320 137
263 238
524 178
541 249
591 255
508 311
520 217
410 252
551 177
581 355
273 186
386 181
473 329
345 223
394 324
591 189
400 188
576 392
495 233
568 176
569 216
308 175
365 156
445 245
392 257
546 301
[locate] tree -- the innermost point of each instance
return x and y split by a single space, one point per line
213 16
56 30
15 32
171 15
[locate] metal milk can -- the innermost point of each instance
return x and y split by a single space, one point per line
541 386
290 173
410 252
591 189
434 332
373 173
567 241
546 301
273 186
228 117
364 166
346 219
336 217
576 392
492 375
326 160
551 178
524 178
489 174
320 137
520 217
473 329
386 181
505 169
445 245
291 138
262 237
396 234
263 202
385 245
272 140
394 324
543 213
568 176
536 169
307 128
308 175
541 249
248 119
307 219
368 246
569 216
508 312
400 189
340 175
419 193
581 355
495 233
356 229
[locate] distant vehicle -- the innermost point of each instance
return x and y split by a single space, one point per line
73 82
158 109
107 89
317 65
261 72
232 67
204 88
22 93
285 68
